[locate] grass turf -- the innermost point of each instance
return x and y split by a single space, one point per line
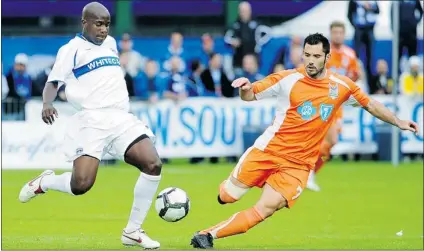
361 206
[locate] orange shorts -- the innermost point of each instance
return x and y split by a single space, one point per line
255 168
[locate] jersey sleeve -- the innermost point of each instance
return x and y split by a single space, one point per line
63 65
267 87
357 95
353 69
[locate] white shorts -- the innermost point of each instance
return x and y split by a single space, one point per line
98 132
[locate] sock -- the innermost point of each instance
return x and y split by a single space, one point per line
318 165
237 224
144 191
61 183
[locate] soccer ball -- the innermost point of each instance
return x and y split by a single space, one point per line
172 204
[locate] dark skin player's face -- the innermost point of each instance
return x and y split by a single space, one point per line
96 28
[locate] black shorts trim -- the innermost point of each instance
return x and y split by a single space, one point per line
140 138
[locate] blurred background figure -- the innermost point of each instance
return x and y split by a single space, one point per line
175 48
250 68
363 17
381 82
246 36
207 48
411 81
134 61
148 85
410 14
175 80
215 79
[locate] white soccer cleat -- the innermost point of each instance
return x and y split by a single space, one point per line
311 184
140 238
33 188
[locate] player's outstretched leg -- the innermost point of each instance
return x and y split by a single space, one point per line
142 154
241 222
77 182
231 190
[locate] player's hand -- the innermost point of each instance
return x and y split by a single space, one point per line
49 113
242 83
408 125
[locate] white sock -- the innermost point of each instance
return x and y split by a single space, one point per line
144 192
60 183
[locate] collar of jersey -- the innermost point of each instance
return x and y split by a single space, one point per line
85 39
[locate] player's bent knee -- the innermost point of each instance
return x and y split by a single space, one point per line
81 186
229 193
153 167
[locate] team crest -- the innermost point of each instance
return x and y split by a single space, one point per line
325 111
333 92
306 110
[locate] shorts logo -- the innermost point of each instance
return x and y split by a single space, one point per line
333 91
325 111
307 110
79 151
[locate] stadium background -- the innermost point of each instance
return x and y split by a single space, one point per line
378 199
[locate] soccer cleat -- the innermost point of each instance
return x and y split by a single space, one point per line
33 188
203 241
138 238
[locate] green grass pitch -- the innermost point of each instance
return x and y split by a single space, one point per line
362 205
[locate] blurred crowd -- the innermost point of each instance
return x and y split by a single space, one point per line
205 72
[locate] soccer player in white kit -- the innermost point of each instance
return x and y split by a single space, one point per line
89 66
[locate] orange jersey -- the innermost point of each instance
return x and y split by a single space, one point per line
344 62
306 109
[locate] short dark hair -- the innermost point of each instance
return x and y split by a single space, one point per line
194 65
318 38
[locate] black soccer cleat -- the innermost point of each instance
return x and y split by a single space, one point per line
203 241
220 201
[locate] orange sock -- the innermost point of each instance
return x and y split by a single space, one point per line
237 224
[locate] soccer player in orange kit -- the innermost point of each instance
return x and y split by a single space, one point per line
343 61
280 160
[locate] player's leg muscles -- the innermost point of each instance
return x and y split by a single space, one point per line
84 174
143 155
270 201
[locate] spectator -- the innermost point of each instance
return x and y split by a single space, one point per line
246 36
20 88
175 81
363 16
410 14
195 85
215 79
381 83
4 85
40 80
411 82
148 83
278 67
250 69
134 61
123 59
207 48
175 48
292 56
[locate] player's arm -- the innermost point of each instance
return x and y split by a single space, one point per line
265 88
65 61
378 110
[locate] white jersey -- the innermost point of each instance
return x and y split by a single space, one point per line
92 74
